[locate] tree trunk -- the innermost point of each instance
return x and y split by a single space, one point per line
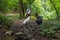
23 10
21 6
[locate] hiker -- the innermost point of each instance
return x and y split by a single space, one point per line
27 16
39 19
26 20
28 12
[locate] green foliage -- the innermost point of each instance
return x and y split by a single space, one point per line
49 27
13 5
44 8
5 21
3 5
57 4
13 17
7 5
27 3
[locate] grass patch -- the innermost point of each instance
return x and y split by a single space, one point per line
13 17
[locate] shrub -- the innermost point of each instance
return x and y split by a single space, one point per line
4 20
49 27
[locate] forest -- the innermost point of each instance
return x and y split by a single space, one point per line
29 20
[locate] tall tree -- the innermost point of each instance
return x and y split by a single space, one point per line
21 8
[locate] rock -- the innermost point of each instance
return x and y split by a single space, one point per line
9 32
19 33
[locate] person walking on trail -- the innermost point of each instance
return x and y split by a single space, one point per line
27 20
27 16
39 19
28 12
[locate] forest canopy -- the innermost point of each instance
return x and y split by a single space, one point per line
46 8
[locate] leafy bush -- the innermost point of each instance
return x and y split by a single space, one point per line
8 5
49 27
4 20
